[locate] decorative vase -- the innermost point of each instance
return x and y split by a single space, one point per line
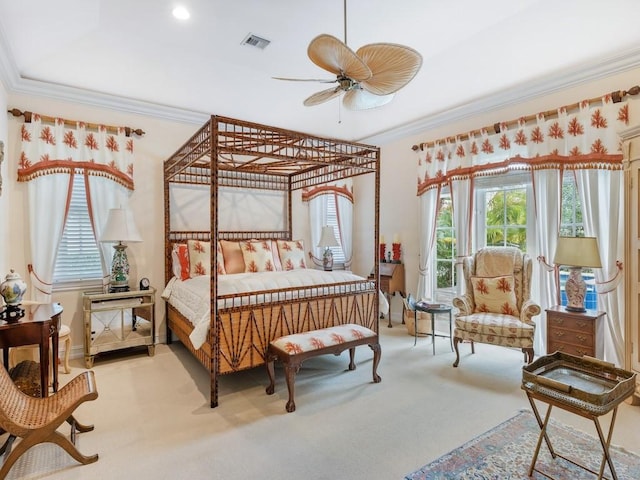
13 289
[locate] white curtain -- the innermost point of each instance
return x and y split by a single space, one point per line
344 208
547 185
50 155
581 139
317 219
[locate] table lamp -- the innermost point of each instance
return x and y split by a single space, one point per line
328 240
575 253
120 228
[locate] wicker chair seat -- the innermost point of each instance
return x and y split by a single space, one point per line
35 420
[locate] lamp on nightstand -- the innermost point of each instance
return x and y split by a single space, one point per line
328 240
120 228
577 252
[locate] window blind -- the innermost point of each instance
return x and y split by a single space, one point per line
78 257
332 220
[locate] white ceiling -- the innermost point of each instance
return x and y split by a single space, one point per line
132 54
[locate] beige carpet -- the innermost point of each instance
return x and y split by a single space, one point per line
152 419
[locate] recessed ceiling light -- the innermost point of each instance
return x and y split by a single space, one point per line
181 13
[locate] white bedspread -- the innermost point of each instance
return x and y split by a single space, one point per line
191 297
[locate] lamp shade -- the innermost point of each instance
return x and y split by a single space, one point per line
577 252
328 238
120 227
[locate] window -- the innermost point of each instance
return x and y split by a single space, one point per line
446 251
571 225
505 216
78 260
332 220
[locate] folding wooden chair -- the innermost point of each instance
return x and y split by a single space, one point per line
35 420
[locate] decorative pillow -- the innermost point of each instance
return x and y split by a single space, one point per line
180 261
220 262
291 254
233 258
276 255
199 257
495 294
257 256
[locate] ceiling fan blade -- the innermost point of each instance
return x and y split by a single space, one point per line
321 80
329 53
358 99
322 96
392 66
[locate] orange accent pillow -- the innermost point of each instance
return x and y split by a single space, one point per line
495 295
257 256
180 261
233 259
291 254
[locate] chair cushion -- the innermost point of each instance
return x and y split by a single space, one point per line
495 294
494 324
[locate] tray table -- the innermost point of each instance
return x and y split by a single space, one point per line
585 386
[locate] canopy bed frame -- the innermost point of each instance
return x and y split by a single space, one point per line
226 152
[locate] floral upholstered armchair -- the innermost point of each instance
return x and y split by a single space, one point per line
496 307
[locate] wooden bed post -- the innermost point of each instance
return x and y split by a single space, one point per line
213 212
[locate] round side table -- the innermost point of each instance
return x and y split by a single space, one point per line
433 311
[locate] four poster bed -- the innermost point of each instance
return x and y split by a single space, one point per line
228 326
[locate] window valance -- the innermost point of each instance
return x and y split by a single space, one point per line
54 149
585 138
344 189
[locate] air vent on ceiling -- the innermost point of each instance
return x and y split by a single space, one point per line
256 41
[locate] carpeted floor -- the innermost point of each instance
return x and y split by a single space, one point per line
153 422
505 452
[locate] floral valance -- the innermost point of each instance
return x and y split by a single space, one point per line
51 149
585 138
344 189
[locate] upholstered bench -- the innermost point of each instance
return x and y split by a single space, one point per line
294 349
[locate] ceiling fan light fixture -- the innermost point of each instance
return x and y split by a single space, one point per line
368 77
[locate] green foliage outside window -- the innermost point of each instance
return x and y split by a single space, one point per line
506 218
445 246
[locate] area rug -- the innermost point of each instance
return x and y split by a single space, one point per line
505 453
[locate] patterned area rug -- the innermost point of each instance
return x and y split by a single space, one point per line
505 453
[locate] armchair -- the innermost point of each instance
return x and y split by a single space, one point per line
496 308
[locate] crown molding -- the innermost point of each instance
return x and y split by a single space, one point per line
619 62
582 74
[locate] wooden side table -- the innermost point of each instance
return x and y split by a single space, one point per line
575 333
391 281
40 323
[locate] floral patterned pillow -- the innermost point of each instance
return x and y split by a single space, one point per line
495 295
200 258
257 256
291 254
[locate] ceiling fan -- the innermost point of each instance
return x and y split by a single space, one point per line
368 77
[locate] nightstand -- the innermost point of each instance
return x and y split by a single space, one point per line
113 321
576 333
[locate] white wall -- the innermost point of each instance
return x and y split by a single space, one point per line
4 197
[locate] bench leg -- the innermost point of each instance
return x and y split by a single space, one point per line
352 355
290 370
377 352
272 376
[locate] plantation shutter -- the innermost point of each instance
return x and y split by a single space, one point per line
332 220
78 257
